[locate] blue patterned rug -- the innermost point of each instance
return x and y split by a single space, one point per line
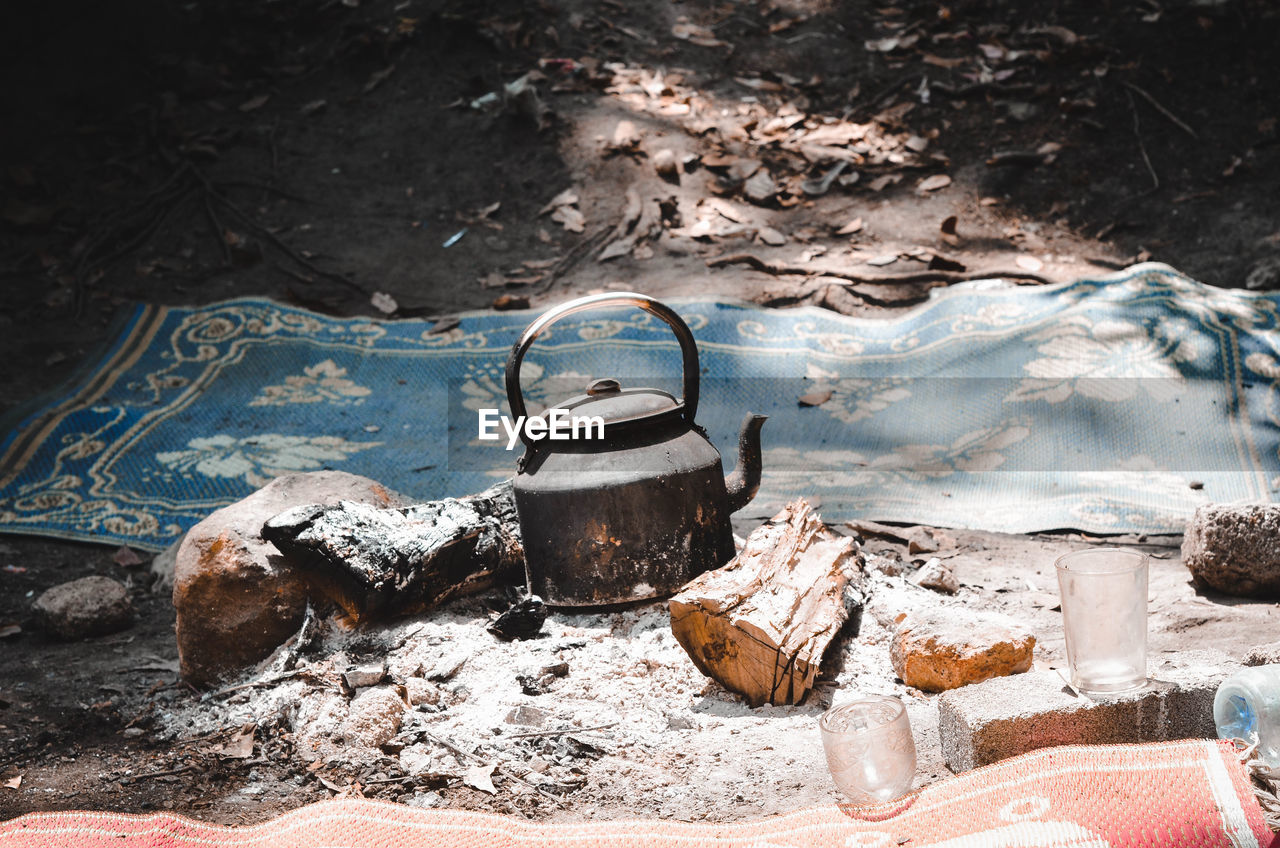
1109 405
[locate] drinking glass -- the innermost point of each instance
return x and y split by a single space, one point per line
1104 618
869 748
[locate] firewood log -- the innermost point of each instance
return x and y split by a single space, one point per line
379 561
760 624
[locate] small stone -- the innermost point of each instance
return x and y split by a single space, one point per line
446 666
527 716
1235 549
942 649
937 575
420 692
920 540
359 677
374 718
90 606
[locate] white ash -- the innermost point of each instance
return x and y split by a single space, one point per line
455 698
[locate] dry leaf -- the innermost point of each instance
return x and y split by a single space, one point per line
568 197
757 84
126 557
481 777
940 62
569 218
239 746
504 302
378 78
886 259
933 183
850 228
880 182
254 103
384 303
13 782
694 34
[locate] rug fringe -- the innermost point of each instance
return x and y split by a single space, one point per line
1265 783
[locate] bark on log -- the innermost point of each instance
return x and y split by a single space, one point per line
761 624
378 562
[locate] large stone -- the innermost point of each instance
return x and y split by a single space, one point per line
90 606
237 598
944 648
1008 716
1235 549
1268 654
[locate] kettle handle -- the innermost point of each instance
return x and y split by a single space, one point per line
688 348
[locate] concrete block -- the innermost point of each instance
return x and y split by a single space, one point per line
1007 716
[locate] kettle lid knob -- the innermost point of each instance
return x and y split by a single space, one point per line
605 386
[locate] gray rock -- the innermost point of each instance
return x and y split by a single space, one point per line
1235 549
90 606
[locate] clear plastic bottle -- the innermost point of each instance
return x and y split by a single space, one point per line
1247 707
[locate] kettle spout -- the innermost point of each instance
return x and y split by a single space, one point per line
743 483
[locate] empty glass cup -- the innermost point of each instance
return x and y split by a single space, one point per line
1104 618
869 748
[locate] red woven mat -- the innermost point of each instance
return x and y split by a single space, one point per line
1174 795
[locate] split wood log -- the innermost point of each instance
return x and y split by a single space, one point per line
761 624
379 561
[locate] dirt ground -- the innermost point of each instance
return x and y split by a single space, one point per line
412 158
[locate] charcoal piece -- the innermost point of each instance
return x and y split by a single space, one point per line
377 562
523 621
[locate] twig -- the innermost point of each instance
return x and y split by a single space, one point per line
134 778
915 277
252 684
1161 109
275 240
1142 147
579 250
561 731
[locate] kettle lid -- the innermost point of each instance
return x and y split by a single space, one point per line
607 399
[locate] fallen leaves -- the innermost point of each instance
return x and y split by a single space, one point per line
13 782
564 211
